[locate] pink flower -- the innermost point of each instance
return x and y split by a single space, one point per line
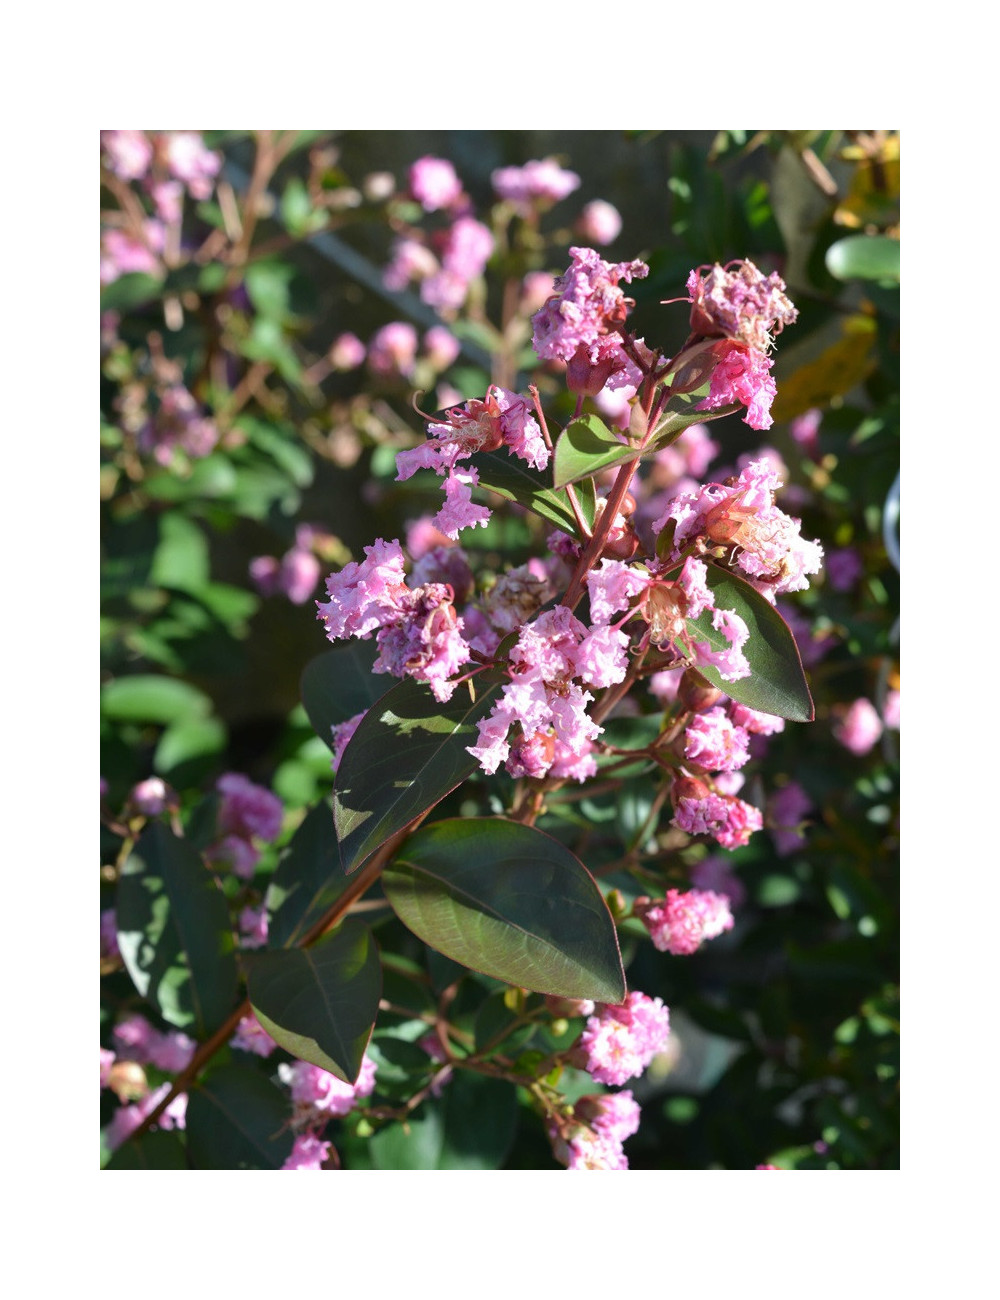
308 1152
459 511
426 642
151 797
347 352
189 161
410 260
250 1036
713 743
248 809
442 347
123 253
741 375
859 728
318 1095
365 596
133 1037
392 350
341 736
682 922
129 153
172 1051
253 927
599 223
805 430
128 1118
755 722
620 1041
107 1061
587 304
236 854
739 302
727 819
612 588
537 182
434 183
890 710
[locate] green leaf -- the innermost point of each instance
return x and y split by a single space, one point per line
174 932
585 447
510 901
416 1145
480 1116
131 290
147 697
189 739
160 1150
308 881
267 286
238 1119
320 1003
672 424
515 479
864 257
338 684
408 752
776 683
181 559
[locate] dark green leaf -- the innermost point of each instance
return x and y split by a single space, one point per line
480 1116
174 932
416 1145
864 257
516 480
308 881
776 683
510 901
320 1003
151 1151
672 424
585 447
338 684
408 752
238 1119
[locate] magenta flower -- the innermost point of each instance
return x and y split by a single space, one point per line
586 305
713 743
308 1152
682 922
620 1041
250 1036
248 809
742 375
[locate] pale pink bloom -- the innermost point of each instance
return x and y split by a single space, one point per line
107 1061
599 223
741 375
786 808
122 253
890 710
664 685
134 1036
129 153
738 301
298 574
693 581
468 246
250 1036
859 728
459 511
767 1166
620 1041
393 349
179 422
442 347
347 352
728 820
410 260
730 782
317 1094
191 162
365 596
378 186
682 922
172 1051
536 288
422 536
434 183
615 1115
587 304
586 1148
612 588
730 660
128 1118
308 1152
168 199
805 430
713 743
248 809
602 657
615 406
752 720
426 642
537 182
444 562
151 797
253 927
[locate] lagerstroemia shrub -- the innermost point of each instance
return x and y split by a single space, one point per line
544 765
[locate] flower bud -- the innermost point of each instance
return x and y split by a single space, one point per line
696 692
694 367
127 1080
688 787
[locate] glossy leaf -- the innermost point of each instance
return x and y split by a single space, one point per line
148 697
238 1119
585 447
864 257
408 752
320 1003
776 683
515 479
510 901
174 933
338 684
308 880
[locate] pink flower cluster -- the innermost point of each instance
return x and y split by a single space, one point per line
295 575
741 514
859 727
318 1096
538 184
250 1036
593 1138
620 1041
246 812
137 1040
714 744
127 1119
545 701
580 323
727 819
178 423
308 1152
682 922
